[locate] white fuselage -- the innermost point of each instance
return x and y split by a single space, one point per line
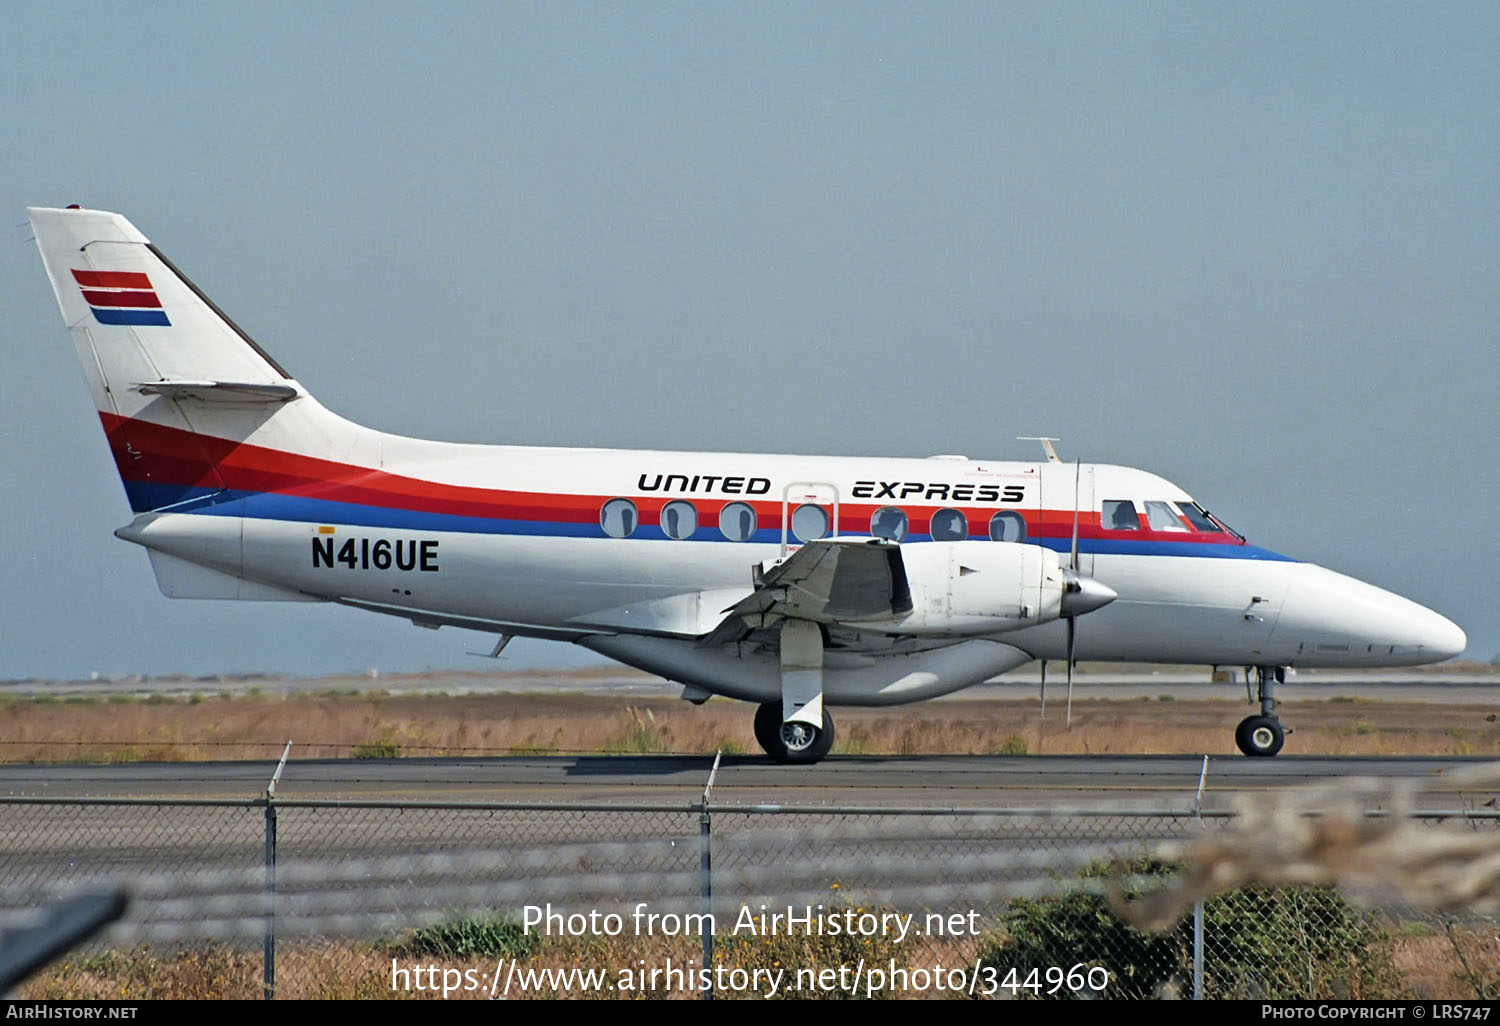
515 539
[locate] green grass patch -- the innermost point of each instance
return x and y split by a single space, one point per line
468 935
380 748
1011 744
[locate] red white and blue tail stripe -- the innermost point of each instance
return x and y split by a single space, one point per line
121 297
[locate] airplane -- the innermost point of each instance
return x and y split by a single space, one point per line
794 582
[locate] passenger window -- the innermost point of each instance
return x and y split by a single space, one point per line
679 519
1198 518
809 522
618 518
1162 517
1120 515
889 522
1007 527
737 521
949 525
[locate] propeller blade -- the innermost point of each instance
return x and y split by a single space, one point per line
1072 635
1044 691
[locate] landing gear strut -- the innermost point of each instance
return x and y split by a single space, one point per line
793 741
1263 735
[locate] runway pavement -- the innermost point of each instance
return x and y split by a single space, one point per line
393 841
677 781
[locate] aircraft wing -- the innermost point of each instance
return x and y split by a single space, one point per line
828 581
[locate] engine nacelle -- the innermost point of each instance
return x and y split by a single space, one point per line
966 588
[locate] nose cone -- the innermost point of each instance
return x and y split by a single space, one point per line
1334 620
1444 638
1084 594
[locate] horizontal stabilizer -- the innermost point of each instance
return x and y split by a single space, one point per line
218 391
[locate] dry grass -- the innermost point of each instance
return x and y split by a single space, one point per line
1437 961
376 725
1432 961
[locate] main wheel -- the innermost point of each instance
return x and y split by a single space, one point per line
768 726
1260 735
792 742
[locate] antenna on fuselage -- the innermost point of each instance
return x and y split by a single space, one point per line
1052 456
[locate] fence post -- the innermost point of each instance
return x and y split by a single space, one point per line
268 953
1198 951
1198 905
706 876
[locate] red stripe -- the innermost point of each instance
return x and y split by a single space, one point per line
137 299
112 279
143 453
166 455
173 456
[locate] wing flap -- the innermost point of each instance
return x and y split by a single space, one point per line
829 581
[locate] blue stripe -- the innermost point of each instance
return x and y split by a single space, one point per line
299 509
1132 547
145 496
154 317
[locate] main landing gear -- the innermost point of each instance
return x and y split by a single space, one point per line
1263 734
797 728
792 741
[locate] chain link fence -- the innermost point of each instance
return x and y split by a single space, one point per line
335 899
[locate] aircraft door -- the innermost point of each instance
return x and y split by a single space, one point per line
1088 518
1069 486
809 511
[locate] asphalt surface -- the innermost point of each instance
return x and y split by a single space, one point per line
599 831
678 781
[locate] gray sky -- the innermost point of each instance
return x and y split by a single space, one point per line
1251 250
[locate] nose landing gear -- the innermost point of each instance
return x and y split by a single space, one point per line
1263 735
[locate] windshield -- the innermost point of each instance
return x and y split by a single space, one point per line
1203 520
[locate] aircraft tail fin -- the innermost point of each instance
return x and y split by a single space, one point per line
177 384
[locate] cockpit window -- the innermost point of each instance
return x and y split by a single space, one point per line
1162 517
1199 518
1120 515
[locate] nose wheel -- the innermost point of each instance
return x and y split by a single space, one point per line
1263 735
793 742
